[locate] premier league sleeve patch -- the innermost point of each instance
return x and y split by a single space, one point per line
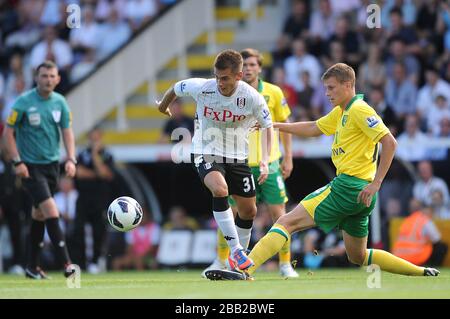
372 121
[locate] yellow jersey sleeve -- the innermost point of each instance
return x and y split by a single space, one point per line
368 121
281 108
328 123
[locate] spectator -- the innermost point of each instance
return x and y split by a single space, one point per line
323 22
56 50
301 61
336 53
142 246
86 38
84 67
441 210
179 220
114 33
16 69
52 48
139 12
439 110
177 120
305 95
298 20
323 250
400 30
12 94
378 102
419 240
398 53
441 153
66 199
279 79
371 73
412 144
401 92
349 40
428 183
93 181
343 7
433 87
11 212
445 7
320 104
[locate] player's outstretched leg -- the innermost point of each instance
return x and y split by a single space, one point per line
358 254
396 265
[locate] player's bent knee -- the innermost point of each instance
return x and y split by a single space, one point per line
249 213
38 215
219 191
357 259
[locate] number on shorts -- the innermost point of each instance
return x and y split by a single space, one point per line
247 185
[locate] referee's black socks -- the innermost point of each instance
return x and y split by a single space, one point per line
37 230
57 238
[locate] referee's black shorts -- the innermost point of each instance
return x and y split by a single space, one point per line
43 181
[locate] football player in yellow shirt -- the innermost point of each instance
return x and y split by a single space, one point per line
272 192
348 200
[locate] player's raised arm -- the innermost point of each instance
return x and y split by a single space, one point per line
303 129
168 97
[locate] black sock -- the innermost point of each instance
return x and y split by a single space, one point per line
245 224
36 235
58 241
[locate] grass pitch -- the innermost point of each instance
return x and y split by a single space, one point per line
182 284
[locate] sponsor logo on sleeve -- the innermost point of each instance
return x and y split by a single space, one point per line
372 121
183 86
265 114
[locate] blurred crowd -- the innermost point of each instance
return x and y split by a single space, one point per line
76 34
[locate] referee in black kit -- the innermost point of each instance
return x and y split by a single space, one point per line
32 139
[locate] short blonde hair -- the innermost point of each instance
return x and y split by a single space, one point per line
342 72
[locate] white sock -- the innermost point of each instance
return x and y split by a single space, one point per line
244 236
225 221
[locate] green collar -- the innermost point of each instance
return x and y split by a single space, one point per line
356 97
260 85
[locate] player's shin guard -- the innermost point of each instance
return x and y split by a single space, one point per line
268 246
390 263
56 236
223 251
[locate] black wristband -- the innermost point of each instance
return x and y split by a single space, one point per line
17 163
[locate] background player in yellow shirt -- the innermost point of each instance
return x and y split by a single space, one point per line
348 200
272 192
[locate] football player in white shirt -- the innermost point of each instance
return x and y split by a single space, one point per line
227 109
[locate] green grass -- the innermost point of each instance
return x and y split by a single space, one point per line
349 283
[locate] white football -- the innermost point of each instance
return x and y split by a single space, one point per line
124 213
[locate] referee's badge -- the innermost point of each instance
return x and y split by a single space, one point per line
56 115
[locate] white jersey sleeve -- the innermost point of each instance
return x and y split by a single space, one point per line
261 112
189 87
